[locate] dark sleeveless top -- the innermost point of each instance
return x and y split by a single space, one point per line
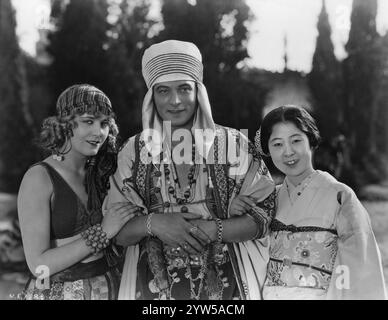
68 214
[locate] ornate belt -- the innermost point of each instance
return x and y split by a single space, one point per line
289 262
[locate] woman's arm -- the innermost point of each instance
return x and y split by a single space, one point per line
34 217
358 271
252 205
133 232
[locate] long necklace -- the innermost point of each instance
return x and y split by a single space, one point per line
174 188
200 276
183 197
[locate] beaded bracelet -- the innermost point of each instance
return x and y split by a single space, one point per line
95 238
148 225
220 229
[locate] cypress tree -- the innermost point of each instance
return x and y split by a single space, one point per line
360 69
16 147
78 44
325 80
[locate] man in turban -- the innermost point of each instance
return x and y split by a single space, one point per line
184 171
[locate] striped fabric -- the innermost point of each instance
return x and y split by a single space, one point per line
171 57
83 98
172 63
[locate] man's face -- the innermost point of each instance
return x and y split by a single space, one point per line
176 102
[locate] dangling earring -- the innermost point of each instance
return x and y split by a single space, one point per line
91 161
60 155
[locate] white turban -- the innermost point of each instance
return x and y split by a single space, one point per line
174 60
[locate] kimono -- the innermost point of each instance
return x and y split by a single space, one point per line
322 245
152 269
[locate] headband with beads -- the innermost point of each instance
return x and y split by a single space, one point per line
83 98
258 143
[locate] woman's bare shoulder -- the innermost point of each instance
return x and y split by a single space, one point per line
36 179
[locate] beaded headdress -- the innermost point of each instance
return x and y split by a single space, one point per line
258 143
83 98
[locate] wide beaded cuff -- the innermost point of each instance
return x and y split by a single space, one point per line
95 238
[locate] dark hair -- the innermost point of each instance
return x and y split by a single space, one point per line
56 130
289 113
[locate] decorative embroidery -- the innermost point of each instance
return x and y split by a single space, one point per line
238 186
257 157
156 263
169 271
100 289
263 214
292 254
140 168
219 176
124 145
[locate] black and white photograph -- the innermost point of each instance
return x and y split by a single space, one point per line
193 150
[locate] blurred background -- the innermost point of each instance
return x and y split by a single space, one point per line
328 56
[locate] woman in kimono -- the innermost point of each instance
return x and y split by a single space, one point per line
321 243
65 237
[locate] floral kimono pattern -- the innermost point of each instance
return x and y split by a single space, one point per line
322 245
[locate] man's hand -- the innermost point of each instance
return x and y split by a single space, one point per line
241 205
175 230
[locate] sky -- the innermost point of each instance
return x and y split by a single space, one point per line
275 20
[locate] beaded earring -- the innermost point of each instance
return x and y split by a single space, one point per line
91 161
258 146
59 155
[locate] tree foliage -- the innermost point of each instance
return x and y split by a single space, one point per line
220 30
78 44
129 38
360 70
325 81
87 47
16 151
365 75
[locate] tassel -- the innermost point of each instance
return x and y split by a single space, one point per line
98 170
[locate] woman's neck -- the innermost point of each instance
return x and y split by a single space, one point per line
296 180
75 163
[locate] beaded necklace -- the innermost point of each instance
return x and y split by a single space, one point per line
182 197
200 276
173 186
188 193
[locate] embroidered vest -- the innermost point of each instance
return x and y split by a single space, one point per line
223 184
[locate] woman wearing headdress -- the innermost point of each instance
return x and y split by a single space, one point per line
321 243
65 237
